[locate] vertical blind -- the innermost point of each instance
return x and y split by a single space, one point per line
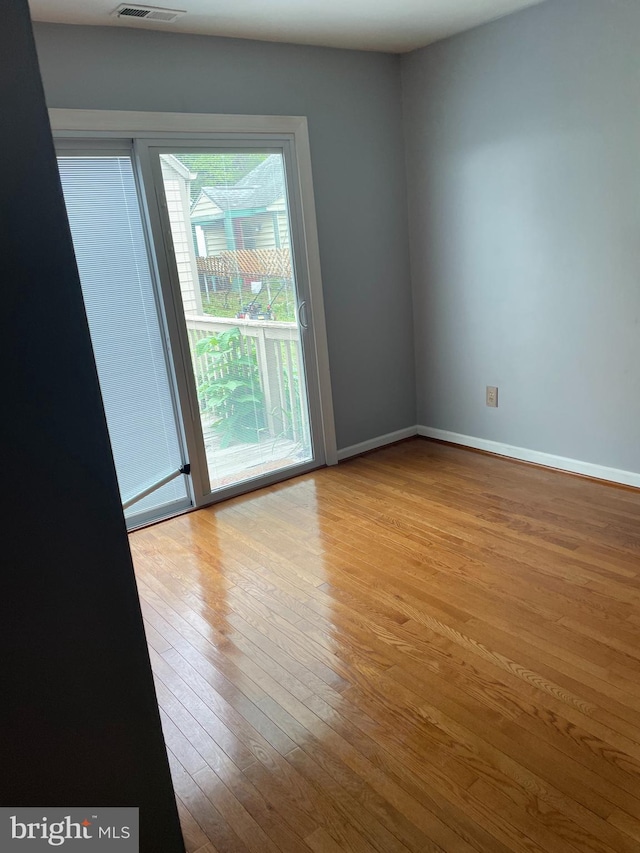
108 237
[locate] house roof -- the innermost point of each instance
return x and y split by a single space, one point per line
260 188
173 163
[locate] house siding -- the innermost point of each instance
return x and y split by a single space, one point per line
177 194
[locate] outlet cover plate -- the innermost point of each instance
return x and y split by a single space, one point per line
492 396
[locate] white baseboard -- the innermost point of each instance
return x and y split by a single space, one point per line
378 441
563 463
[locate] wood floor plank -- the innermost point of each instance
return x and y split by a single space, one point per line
402 785
238 818
268 818
421 650
237 744
207 848
203 810
321 842
581 765
376 834
193 834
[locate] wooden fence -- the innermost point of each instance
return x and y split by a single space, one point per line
257 263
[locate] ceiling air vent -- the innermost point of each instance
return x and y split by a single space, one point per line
147 13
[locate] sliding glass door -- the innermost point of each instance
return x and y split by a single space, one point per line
192 259
225 215
126 331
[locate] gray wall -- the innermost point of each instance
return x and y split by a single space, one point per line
353 103
79 723
523 162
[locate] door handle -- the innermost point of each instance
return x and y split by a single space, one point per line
302 313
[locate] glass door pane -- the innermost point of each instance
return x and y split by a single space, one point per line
111 251
228 214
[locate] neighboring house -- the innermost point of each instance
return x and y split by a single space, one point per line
176 178
231 237
249 215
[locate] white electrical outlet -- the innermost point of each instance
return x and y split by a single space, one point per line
492 396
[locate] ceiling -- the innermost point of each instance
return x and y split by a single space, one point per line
396 26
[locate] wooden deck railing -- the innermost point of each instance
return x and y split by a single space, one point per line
276 349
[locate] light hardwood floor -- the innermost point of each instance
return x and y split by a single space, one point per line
423 649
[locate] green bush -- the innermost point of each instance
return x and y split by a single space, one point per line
230 389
